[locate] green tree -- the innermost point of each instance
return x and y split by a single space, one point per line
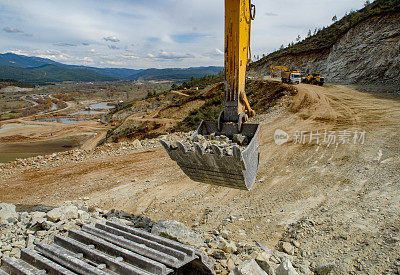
334 19
367 3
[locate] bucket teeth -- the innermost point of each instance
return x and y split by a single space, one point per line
237 153
217 150
198 148
181 146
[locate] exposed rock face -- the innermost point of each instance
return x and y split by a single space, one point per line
368 53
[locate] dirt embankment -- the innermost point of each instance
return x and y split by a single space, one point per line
367 53
336 195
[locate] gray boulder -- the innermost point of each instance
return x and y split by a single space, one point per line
227 246
262 260
7 211
177 231
324 269
62 213
249 267
286 268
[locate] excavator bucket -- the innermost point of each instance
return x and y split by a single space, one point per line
238 170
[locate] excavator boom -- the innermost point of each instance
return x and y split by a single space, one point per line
239 169
273 68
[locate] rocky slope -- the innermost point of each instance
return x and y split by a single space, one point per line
366 53
26 229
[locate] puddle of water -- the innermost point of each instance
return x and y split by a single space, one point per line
101 105
12 151
54 107
66 120
90 112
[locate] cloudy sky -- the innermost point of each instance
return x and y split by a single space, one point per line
151 33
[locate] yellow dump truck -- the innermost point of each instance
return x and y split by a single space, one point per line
291 77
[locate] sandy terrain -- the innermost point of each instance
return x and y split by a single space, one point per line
349 192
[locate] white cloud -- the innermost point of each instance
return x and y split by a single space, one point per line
111 39
129 56
113 47
115 63
12 30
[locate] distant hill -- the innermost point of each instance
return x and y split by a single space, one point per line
41 70
22 61
51 73
175 74
114 72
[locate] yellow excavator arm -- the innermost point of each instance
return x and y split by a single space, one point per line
237 169
273 68
238 16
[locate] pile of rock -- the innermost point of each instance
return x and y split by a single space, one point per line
223 142
235 257
23 229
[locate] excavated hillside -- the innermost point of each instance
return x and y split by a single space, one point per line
361 48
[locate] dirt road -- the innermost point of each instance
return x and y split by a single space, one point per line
347 186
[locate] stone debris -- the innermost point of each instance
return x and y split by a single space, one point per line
262 260
249 267
227 246
63 213
7 211
286 268
223 142
288 248
177 231
324 269
25 229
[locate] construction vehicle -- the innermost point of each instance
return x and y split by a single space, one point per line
273 68
314 78
291 77
287 76
238 170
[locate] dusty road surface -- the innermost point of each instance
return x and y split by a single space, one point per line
338 195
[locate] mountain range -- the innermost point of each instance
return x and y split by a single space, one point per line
38 70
